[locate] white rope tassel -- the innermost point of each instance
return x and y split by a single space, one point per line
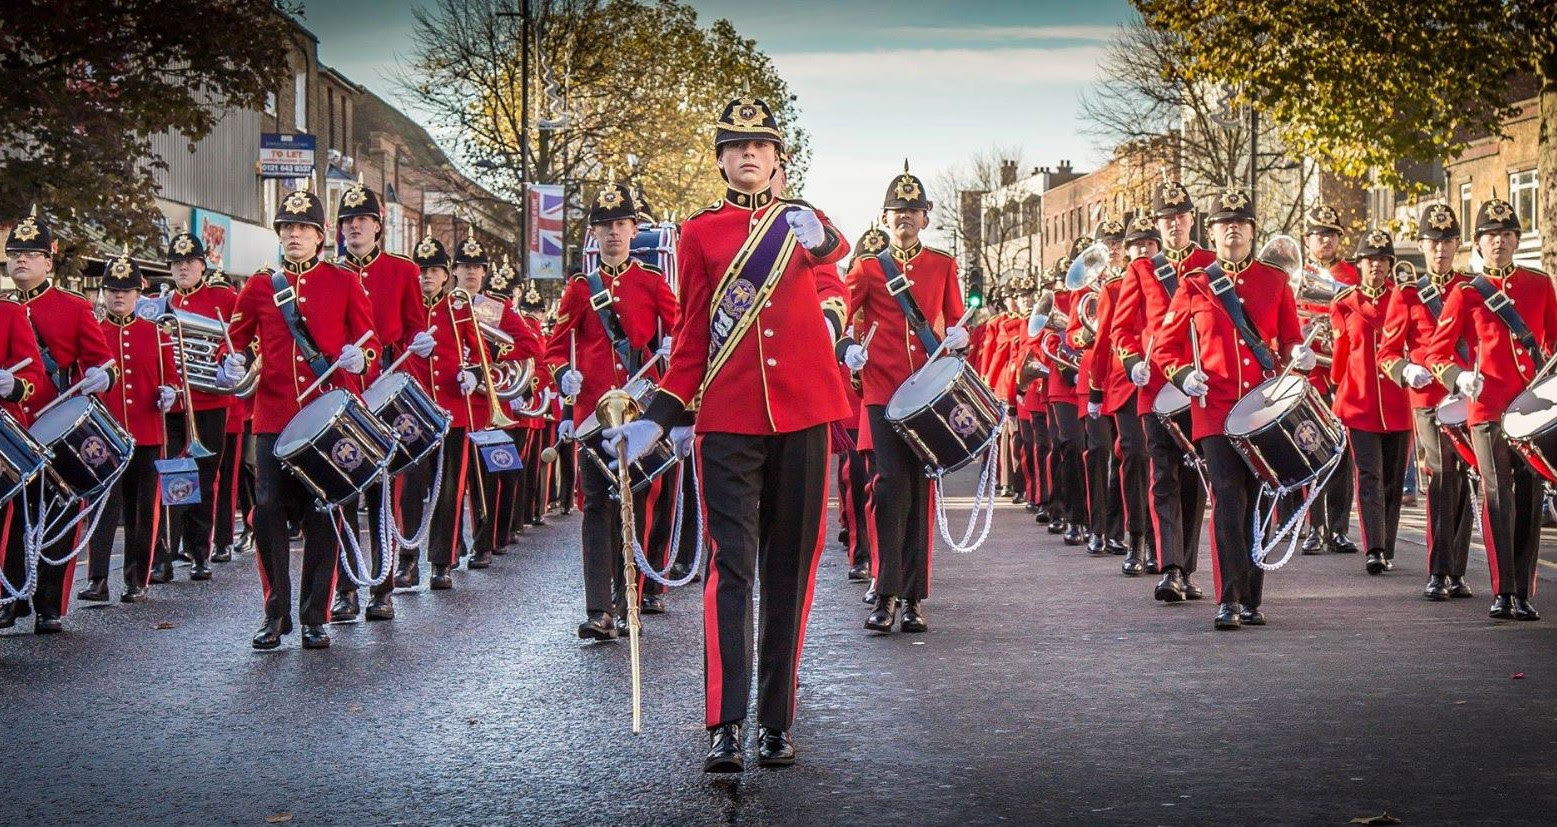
30 551
675 533
348 542
983 507
1261 550
427 508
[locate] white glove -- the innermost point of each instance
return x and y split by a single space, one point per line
165 398
1469 384
571 382
1416 376
1094 410
681 436
806 227
467 382
639 434
855 357
664 351
95 380
232 370
1141 374
565 429
956 338
1195 384
422 344
353 360
1303 358
7 383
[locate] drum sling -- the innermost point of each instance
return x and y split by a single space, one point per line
600 300
1432 299
1499 303
286 301
897 285
1222 286
1166 275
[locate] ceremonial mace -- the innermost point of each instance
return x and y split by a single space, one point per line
615 409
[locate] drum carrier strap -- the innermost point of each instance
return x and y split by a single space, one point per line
1222 286
1432 299
1166 275
897 285
600 300
286 301
1498 302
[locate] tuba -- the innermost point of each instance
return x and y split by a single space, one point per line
1312 286
510 380
196 340
1053 346
1085 270
1086 312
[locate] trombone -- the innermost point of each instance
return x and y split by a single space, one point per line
615 409
192 447
499 419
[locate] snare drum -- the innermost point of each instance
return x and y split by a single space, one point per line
403 405
1530 423
335 446
90 449
649 467
1285 432
21 457
946 414
1171 407
1451 415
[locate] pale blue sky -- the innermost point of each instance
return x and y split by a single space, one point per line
933 81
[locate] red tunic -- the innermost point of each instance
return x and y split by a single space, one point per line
526 345
1108 384
394 291
645 308
145 364
1365 400
454 345
213 301
17 342
1061 386
1408 325
895 352
334 309
1139 310
780 376
1224 357
64 323
1506 367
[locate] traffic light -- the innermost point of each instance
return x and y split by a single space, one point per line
975 298
975 286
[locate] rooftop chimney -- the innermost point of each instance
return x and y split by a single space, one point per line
1007 173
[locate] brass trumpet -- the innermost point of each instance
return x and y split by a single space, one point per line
499 419
615 409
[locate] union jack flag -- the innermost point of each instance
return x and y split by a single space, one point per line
545 210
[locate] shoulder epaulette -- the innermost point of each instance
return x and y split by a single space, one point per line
938 251
401 257
650 267
71 292
1536 270
1343 291
714 207
799 202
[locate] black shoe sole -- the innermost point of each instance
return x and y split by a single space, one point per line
1167 595
264 647
1436 597
876 627
594 634
321 645
1221 626
724 765
917 628
372 615
440 587
775 761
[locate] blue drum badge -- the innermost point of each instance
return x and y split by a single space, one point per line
962 421
407 428
347 454
1307 438
94 450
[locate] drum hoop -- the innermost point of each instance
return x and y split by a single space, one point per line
1529 392
83 402
940 394
342 399
1304 396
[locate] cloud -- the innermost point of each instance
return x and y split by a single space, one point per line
1011 33
941 68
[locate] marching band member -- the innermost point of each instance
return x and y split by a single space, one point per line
138 403
17 343
911 294
756 343
1508 316
390 283
293 321
1032 417
1104 497
441 370
1236 353
536 490
1374 411
1013 338
191 526
71 347
511 488
855 471
1331 512
615 315
1178 498
1114 397
1413 315
224 541
1065 438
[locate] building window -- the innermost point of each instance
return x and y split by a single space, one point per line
1467 213
271 191
300 102
1522 194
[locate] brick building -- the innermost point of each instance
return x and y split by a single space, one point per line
1506 168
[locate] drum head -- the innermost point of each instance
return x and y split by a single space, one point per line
311 420
60 419
1532 411
1266 404
383 389
1170 400
1452 411
927 383
587 429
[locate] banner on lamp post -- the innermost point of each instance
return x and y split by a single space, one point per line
544 212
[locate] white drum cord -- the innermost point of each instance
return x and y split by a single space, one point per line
1315 489
982 518
347 541
675 532
428 503
30 552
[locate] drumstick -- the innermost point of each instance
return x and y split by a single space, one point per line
1290 362
942 346
19 365
70 391
400 360
869 334
1194 352
331 369
645 369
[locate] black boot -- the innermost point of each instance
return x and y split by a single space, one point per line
1041 513
480 560
222 555
1056 525
1343 544
913 618
1096 546
440 578
1073 535
774 748
408 575
651 604
1436 590
1312 544
598 626
162 572
269 634
1375 562
884 616
1116 546
133 593
346 607
1251 616
380 607
870 593
1134 563
1502 607
1524 611
1170 589
1191 591
201 571
95 592
724 749
8 614
47 623
1458 589
1226 617
860 570
314 637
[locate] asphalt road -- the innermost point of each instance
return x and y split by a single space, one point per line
1050 689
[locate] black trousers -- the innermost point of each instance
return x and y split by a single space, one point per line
901 513
227 482
1511 511
1178 499
443 533
853 475
1233 491
765 496
52 598
278 497
1069 474
1380 463
535 492
1038 457
1014 454
1449 515
1331 512
566 476
602 540
248 475
686 550
1133 471
1104 510
481 486
134 500
660 505
191 525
